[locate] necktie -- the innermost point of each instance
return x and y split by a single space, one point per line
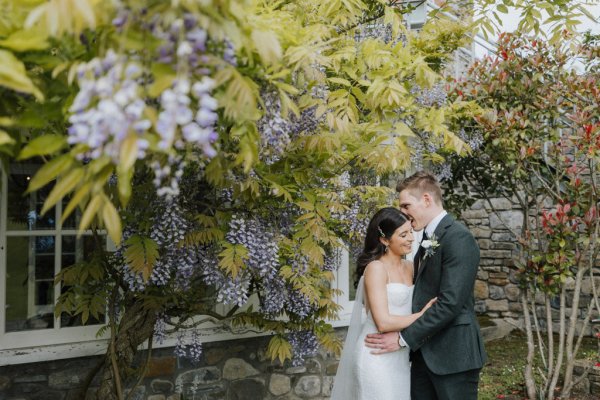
419 255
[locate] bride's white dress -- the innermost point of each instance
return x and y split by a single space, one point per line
365 376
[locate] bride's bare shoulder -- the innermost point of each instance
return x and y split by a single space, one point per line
375 269
375 264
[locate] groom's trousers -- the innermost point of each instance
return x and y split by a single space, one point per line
425 385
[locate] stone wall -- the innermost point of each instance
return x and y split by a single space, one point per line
496 291
232 370
590 384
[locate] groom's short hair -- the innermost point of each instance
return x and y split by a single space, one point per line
422 182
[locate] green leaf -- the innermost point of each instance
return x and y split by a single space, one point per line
63 187
133 40
232 258
240 97
401 129
14 76
502 8
340 81
267 45
6 121
163 79
248 153
129 152
124 185
424 75
5 138
76 200
112 221
279 348
141 253
43 145
90 212
25 40
50 171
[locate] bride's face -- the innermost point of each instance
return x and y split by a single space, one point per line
400 242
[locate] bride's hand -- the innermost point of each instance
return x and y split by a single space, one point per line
428 305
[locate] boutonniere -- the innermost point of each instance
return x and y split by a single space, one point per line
430 245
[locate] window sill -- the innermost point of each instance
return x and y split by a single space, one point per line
50 352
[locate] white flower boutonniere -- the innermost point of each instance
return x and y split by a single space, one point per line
430 245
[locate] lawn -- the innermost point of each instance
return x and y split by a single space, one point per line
502 376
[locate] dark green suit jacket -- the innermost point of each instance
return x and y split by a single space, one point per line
448 333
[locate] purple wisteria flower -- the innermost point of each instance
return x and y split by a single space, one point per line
277 130
430 97
167 176
108 108
189 346
261 243
274 129
176 264
304 344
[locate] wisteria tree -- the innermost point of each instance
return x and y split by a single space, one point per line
537 144
229 149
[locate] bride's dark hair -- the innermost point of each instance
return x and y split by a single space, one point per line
385 221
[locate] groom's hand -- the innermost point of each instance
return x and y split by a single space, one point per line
382 342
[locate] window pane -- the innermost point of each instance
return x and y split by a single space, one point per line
76 250
29 283
24 211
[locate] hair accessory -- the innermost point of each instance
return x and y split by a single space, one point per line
380 231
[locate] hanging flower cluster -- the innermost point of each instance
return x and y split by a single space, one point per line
188 115
189 346
176 263
112 101
108 108
304 344
274 129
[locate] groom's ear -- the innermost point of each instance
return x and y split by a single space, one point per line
428 198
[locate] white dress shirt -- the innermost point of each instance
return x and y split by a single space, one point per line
432 226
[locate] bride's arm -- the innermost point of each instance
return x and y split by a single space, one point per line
376 293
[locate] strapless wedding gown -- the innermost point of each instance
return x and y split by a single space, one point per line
384 376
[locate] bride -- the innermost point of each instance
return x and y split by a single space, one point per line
387 281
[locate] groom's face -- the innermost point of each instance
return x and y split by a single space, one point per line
415 207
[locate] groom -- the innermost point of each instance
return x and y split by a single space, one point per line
446 346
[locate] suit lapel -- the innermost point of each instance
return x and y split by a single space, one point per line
439 233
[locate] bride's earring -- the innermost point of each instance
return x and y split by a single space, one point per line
387 246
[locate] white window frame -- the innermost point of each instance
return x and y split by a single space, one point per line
342 282
16 346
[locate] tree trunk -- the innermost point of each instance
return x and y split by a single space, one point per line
135 327
571 347
528 373
561 345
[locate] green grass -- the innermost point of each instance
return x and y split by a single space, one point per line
502 376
